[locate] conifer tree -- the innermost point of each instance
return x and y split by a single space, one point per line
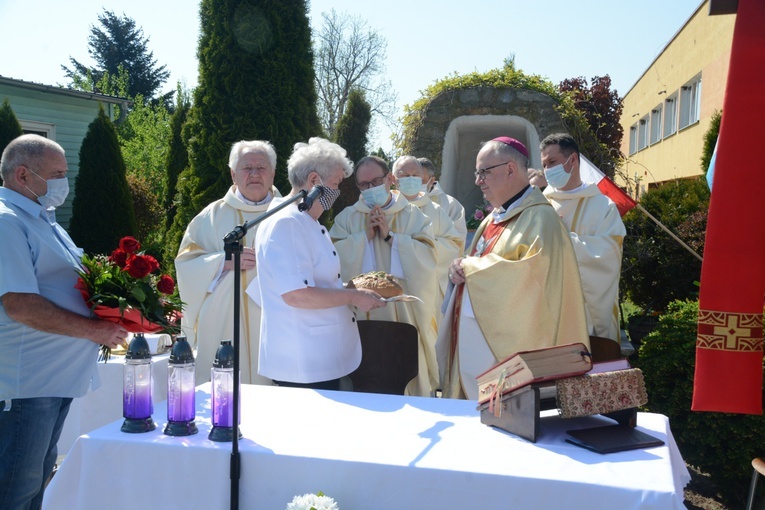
119 42
102 210
352 135
177 156
9 125
256 82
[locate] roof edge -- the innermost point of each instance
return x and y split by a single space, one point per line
93 96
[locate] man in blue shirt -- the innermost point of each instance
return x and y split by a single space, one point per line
48 340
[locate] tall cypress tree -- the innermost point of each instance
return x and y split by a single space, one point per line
256 81
177 156
102 210
9 125
352 135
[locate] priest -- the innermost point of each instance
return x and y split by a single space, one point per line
519 288
451 205
409 176
206 279
382 231
596 230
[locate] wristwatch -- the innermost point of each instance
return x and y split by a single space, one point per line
387 238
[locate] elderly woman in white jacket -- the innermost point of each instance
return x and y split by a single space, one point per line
308 332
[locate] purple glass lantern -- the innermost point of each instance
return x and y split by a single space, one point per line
181 390
137 387
222 377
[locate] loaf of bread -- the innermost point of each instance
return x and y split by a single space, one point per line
378 281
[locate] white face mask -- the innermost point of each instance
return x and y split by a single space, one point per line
410 186
375 196
556 176
58 190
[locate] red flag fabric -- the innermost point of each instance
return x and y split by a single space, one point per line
729 349
591 174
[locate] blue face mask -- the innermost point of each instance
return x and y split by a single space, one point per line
556 176
409 186
375 196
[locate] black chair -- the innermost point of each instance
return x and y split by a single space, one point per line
389 357
604 349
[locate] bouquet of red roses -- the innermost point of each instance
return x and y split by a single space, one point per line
125 287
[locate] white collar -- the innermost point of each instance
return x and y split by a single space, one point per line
238 194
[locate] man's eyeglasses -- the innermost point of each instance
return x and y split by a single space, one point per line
371 184
481 173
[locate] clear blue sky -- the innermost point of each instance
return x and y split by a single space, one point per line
427 39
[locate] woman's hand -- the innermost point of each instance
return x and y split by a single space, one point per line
366 300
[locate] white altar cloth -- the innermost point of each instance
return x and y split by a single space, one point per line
367 452
104 405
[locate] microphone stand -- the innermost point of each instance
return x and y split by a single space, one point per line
233 247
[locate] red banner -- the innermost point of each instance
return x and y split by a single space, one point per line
729 347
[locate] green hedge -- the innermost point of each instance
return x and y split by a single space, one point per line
720 444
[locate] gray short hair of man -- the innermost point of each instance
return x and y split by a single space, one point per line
28 150
502 149
404 160
428 166
318 155
256 146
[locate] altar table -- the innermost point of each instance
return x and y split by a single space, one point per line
104 405
368 452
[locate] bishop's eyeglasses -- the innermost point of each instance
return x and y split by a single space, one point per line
481 173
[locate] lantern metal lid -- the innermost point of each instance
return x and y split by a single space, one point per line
181 352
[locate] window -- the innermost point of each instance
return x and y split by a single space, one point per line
656 125
38 128
643 133
690 101
633 139
670 115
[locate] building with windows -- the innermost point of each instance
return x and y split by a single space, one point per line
669 109
61 114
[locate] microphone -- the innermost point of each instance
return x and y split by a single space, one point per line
309 199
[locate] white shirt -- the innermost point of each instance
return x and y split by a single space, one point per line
293 251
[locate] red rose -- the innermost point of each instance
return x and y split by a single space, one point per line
83 288
119 257
166 285
153 262
138 266
130 244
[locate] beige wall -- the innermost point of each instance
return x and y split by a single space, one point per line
702 45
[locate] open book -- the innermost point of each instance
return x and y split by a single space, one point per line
537 365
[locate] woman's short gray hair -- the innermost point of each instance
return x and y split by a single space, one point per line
256 146
318 155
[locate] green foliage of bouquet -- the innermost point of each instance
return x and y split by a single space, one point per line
478 215
126 287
